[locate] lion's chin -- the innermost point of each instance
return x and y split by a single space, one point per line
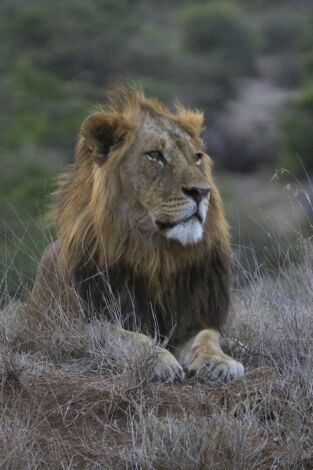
187 233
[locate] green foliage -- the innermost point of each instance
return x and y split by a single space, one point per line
71 37
41 109
26 190
297 134
220 29
31 81
281 29
22 237
306 33
307 67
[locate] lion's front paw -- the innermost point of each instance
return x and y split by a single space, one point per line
216 368
167 368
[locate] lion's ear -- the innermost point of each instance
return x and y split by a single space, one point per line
103 131
190 121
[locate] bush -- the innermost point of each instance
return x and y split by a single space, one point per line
26 190
297 134
306 33
281 30
41 108
22 237
220 28
74 40
307 67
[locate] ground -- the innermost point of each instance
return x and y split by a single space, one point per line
73 398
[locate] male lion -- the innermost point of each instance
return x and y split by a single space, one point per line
140 220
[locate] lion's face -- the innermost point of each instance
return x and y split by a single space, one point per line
166 182
163 174
140 193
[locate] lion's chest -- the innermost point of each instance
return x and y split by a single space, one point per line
120 294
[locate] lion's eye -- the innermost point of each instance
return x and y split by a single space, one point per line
156 156
198 158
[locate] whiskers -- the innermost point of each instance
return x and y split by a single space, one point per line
140 219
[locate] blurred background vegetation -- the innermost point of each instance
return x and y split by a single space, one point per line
248 64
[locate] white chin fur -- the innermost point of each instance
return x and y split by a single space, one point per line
186 233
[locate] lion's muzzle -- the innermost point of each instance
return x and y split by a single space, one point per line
196 193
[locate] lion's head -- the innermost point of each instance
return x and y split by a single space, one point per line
141 188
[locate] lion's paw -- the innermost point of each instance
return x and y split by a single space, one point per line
167 368
216 368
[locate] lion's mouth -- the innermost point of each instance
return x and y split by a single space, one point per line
164 226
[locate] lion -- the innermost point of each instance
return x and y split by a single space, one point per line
140 220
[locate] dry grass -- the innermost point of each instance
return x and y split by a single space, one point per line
74 397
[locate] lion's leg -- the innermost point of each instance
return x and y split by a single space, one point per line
167 368
204 353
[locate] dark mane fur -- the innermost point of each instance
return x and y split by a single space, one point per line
196 298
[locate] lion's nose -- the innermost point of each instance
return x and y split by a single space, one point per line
197 194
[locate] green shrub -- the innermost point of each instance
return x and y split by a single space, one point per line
306 33
23 189
281 30
307 67
220 28
27 189
29 28
42 109
297 134
22 236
